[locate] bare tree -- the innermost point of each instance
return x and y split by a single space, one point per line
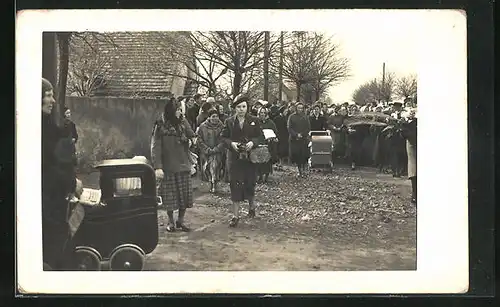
363 93
406 86
177 56
237 51
328 69
376 90
210 58
90 66
386 89
311 61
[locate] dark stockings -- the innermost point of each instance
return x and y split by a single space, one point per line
182 213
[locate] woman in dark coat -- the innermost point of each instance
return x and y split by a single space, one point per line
355 138
318 121
170 142
242 133
264 169
58 181
69 129
280 120
69 126
338 129
298 129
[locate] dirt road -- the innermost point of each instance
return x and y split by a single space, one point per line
347 220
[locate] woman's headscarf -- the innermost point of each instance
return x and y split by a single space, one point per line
212 112
206 106
169 112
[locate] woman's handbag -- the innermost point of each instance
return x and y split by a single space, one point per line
260 154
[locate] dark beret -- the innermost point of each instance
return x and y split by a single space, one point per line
239 99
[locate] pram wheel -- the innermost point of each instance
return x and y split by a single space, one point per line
127 257
87 259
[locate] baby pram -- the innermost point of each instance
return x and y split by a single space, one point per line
321 150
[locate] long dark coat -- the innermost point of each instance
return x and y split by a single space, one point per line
299 150
243 172
58 179
337 128
318 123
282 132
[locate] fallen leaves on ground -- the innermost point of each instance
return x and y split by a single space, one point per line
355 202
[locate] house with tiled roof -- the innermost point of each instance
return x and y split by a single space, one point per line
122 65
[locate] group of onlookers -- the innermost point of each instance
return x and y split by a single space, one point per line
224 138
224 142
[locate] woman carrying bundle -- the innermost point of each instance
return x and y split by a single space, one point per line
241 134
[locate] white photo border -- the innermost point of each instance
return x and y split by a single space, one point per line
442 224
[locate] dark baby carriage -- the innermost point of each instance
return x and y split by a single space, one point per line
124 228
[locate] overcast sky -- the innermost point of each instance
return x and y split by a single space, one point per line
370 39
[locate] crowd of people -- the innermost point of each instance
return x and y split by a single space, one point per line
226 142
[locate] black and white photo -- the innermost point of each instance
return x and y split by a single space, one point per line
235 147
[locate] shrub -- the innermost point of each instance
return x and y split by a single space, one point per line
98 141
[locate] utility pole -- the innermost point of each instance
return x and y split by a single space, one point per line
383 82
266 65
280 86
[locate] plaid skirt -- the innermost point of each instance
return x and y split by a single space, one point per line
176 191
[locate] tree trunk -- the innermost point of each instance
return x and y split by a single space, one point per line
63 42
238 76
280 86
266 65
211 90
298 86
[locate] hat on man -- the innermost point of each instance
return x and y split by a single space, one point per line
397 103
211 100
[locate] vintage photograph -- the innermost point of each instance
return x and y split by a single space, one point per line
235 148
228 150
